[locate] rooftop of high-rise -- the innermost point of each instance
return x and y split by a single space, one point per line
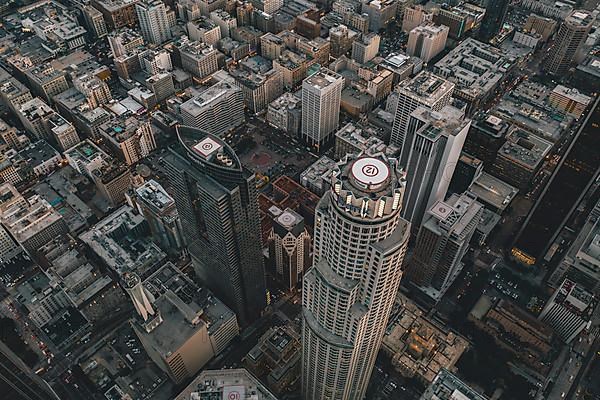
427 87
225 384
322 79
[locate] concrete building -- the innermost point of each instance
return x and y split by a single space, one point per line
355 138
167 302
541 25
442 242
486 136
95 21
63 131
519 160
571 35
46 82
258 89
318 176
437 141
365 48
225 21
154 24
427 41
131 139
581 263
158 207
569 101
424 90
199 59
113 180
117 13
447 386
277 355
124 41
477 69
213 192
289 247
285 113
380 12
359 245
321 97
341 38
418 346
217 110
227 384
569 310
205 30
32 222
415 16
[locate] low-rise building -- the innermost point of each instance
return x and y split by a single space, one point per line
225 384
418 347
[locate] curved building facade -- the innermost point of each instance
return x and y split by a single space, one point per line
359 245
216 199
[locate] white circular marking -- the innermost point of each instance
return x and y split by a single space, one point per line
370 171
234 396
207 146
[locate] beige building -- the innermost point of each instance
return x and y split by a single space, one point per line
569 101
366 48
199 59
427 41
180 325
419 347
415 16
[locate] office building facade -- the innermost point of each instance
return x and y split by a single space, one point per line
571 35
217 202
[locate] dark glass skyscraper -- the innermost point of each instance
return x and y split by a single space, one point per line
217 202
17 380
495 13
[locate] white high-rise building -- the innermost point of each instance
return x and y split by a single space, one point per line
154 24
427 41
321 97
424 90
359 245
437 138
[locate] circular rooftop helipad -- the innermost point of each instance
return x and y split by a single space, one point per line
370 171
287 219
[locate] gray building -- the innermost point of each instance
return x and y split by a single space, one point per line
217 202
442 242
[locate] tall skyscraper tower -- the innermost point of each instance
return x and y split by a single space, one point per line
359 245
442 242
17 380
152 15
424 90
217 202
495 14
321 97
571 35
437 138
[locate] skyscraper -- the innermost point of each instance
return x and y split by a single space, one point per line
289 246
321 97
437 138
17 380
571 35
442 242
424 90
359 245
217 202
152 15
495 13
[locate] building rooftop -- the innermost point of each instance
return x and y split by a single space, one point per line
154 195
38 153
493 191
573 94
525 148
447 386
26 222
120 240
225 384
426 87
475 67
419 346
322 79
